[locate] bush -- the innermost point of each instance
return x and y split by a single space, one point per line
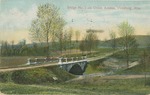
5 77
36 76
62 74
33 76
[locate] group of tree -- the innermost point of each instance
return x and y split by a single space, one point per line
10 49
89 42
47 25
22 49
48 28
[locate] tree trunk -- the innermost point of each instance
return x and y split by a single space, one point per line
127 54
47 44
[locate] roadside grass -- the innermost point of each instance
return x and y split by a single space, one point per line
13 61
142 68
93 53
135 55
94 86
139 69
95 67
117 86
36 76
100 52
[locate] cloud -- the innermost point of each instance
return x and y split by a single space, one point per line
15 19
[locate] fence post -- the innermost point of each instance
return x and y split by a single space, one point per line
60 61
72 59
29 60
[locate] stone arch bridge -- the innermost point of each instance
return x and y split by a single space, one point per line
76 65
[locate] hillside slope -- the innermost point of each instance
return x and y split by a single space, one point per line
142 41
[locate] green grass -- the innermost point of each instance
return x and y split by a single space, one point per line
36 76
12 61
96 67
139 69
15 61
88 86
95 86
137 54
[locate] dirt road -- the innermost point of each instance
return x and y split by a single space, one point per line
28 67
2 93
109 77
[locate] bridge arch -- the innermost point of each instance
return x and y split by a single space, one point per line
76 69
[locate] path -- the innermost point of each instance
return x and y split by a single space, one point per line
110 77
2 93
133 64
102 57
124 77
28 67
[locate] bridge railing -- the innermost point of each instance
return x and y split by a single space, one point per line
41 60
72 59
55 59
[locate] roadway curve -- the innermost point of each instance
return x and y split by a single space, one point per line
28 67
108 77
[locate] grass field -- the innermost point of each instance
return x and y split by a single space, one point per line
94 86
13 61
87 86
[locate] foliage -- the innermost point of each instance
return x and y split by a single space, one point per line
91 86
128 41
89 43
97 67
47 24
5 77
36 76
142 68
70 34
33 76
113 39
61 74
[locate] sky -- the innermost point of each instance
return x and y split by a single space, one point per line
16 16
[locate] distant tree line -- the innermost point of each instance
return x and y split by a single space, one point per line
88 43
20 49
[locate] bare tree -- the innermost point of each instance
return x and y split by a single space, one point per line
60 38
113 39
12 47
91 41
70 34
82 45
48 24
77 35
128 40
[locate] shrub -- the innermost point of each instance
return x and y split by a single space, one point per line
62 74
33 76
5 77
